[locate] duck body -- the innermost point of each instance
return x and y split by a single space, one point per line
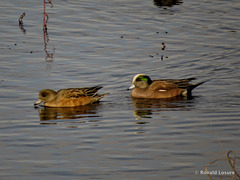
144 87
71 97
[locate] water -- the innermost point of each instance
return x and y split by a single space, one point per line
106 43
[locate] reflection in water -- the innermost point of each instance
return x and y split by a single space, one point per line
49 113
144 108
169 3
22 28
49 56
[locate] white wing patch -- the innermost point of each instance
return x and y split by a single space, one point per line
162 90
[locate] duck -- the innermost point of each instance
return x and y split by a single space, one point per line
144 87
71 97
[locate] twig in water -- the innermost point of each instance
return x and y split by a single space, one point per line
45 33
231 161
45 16
20 20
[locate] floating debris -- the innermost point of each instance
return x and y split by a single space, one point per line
20 23
164 46
20 20
166 3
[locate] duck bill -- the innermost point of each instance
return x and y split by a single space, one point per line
37 102
131 87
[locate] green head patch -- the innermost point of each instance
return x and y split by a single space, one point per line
144 78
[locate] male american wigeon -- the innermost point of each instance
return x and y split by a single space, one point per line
71 97
144 87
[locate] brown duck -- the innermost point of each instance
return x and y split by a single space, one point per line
144 87
71 97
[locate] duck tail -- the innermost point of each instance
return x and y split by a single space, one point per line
94 89
99 96
188 90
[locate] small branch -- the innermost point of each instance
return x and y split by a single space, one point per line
50 2
20 20
45 33
45 14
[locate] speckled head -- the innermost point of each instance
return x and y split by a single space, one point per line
45 95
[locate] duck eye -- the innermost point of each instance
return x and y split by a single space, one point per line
44 94
138 79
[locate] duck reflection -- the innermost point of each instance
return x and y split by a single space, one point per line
50 113
169 3
144 108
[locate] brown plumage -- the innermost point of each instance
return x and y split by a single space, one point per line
71 97
144 87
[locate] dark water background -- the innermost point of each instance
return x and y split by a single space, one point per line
106 43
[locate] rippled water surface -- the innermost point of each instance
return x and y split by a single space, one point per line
106 43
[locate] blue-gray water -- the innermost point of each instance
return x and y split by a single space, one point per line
107 43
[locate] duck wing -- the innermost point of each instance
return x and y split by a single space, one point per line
79 92
162 85
181 83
